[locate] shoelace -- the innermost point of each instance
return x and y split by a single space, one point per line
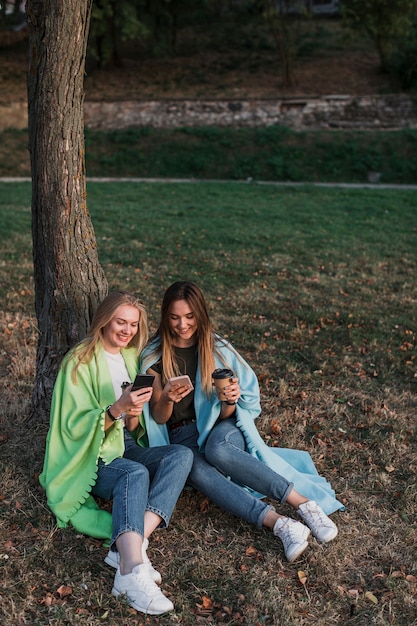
316 517
147 584
289 529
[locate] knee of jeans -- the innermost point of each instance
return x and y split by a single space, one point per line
131 477
187 456
139 472
219 449
218 454
200 472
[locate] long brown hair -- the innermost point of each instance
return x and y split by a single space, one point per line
192 294
105 312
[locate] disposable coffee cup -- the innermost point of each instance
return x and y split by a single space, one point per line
221 379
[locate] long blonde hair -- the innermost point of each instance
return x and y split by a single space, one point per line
206 337
105 312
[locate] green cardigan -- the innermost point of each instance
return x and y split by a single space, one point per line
76 439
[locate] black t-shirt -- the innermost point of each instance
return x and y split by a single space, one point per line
187 359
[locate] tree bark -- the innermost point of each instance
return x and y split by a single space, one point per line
69 281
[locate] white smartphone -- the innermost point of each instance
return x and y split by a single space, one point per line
181 380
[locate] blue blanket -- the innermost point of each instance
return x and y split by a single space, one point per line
295 465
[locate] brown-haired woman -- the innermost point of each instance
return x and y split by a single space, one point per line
232 465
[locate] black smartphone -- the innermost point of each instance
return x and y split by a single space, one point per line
142 380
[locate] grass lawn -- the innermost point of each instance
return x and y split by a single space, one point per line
317 289
273 153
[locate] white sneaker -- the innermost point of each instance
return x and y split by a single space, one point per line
113 559
293 535
321 526
141 592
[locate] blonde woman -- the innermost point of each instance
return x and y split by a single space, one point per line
97 445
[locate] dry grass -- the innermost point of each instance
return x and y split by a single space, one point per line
217 569
336 376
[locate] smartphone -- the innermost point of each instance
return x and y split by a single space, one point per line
182 380
142 380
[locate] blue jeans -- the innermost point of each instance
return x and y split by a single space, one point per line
145 479
225 456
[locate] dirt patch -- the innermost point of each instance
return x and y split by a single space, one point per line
183 77
206 74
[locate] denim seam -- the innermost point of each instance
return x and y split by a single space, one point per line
126 529
165 518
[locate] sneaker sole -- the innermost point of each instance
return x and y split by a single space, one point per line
148 610
330 538
298 553
109 561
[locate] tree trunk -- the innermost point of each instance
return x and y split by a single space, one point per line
69 281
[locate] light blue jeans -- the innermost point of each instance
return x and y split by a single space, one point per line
224 456
145 479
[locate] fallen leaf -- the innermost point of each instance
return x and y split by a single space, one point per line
411 579
63 591
10 546
275 427
370 596
251 551
207 602
204 506
390 468
302 577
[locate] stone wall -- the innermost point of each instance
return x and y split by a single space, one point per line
331 112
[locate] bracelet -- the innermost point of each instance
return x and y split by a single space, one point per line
229 403
114 419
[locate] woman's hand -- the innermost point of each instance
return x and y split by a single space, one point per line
137 400
132 402
175 393
232 391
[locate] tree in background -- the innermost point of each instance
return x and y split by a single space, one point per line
387 22
153 23
113 22
282 18
69 281
403 62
